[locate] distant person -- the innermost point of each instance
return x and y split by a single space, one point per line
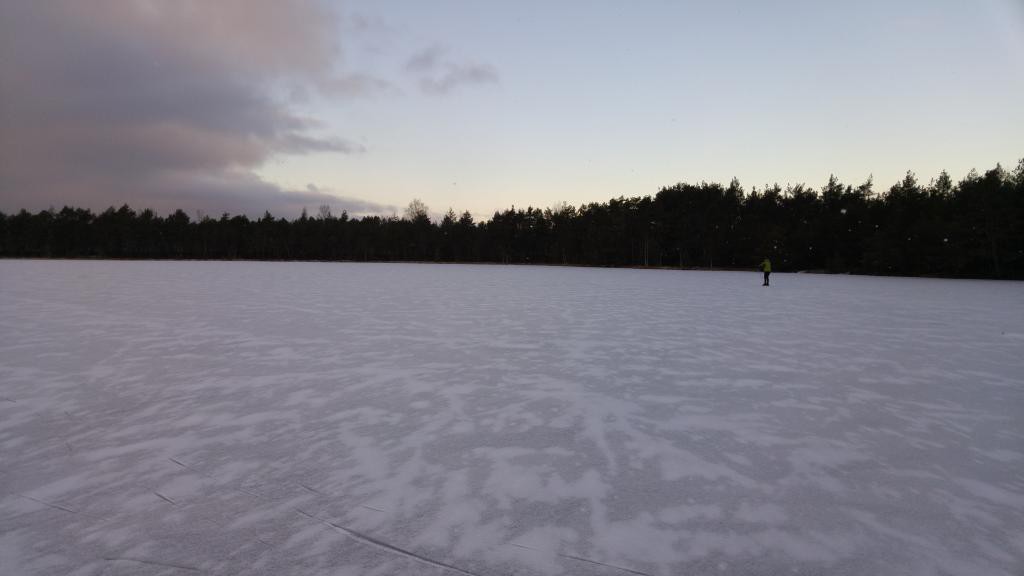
766 267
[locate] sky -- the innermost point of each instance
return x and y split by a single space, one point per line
247 106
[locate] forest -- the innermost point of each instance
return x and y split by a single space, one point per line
973 228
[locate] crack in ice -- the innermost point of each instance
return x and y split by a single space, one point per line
152 563
367 539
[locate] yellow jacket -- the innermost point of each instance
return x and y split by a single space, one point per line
766 266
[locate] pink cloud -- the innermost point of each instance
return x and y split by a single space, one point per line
163 104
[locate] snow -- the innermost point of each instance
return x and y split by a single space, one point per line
317 418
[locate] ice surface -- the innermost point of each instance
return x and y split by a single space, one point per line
304 418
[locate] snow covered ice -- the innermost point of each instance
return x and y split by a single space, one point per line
318 418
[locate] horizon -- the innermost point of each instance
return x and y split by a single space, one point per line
435 216
365 106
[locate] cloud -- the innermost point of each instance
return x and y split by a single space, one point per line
425 60
245 193
163 104
363 85
302 144
339 203
440 75
455 76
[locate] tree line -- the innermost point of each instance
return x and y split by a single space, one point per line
971 228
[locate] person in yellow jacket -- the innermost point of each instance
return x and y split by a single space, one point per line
766 267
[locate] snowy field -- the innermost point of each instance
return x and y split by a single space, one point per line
303 418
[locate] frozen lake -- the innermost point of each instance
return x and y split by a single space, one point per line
305 418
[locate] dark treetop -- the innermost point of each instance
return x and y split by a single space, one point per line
973 228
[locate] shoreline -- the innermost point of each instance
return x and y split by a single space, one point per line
545 264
